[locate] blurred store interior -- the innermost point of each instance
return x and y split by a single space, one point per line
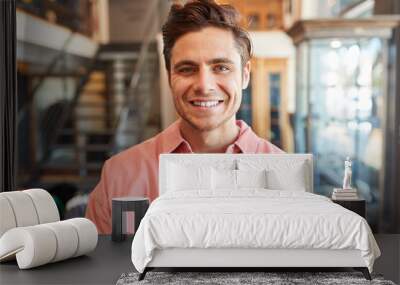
325 80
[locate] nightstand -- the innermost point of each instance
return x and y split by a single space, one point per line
121 208
358 206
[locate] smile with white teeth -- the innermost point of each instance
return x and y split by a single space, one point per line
208 104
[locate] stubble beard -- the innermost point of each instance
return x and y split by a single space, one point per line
206 127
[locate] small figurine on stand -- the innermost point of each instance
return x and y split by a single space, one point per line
347 192
347 174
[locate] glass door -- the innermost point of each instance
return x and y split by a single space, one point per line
270 102
345 109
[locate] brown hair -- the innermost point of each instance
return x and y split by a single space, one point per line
196 15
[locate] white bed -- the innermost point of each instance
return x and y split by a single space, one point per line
202 220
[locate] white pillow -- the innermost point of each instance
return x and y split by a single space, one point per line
294 180
223 179
251 178
236 179
282 174
181 177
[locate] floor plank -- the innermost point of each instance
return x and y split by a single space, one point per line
389 262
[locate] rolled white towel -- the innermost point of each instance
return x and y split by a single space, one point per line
23 208
45 206
7 218
33 246
40 244
26 208
87 235
67 240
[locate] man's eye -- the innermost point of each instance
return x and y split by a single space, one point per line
221 68
186 70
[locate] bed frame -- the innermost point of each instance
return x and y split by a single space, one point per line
242 259
246 258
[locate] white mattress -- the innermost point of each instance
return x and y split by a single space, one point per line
252 218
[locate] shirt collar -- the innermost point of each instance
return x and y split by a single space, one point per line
247 140
171 138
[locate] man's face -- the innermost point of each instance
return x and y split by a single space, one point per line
206 78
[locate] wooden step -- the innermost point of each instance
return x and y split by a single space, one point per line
94 117
108 132
94 104
72 165
88 147
92 92
97 75
79 110
88 112
92 99
85 183
93 89
96 147
71 168
51 179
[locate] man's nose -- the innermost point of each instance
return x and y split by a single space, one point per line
205 82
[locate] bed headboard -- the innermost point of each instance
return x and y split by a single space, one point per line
231 161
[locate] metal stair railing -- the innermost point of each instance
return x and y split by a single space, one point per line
131 102
50 68
63 114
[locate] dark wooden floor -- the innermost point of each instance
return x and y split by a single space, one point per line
389 262
110 260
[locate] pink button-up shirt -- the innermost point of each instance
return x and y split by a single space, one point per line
134 172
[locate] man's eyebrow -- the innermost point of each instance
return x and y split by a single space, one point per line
220 60
184 62
212 61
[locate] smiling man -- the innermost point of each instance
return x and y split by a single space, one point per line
207 55
206 79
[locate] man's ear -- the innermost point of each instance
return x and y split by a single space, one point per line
246 75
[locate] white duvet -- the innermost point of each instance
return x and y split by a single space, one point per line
251 218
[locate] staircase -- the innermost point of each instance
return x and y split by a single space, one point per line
95 128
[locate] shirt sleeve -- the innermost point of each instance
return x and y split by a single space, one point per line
98 208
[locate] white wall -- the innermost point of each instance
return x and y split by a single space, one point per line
129 20
36 31
277 45
103 21
309 9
